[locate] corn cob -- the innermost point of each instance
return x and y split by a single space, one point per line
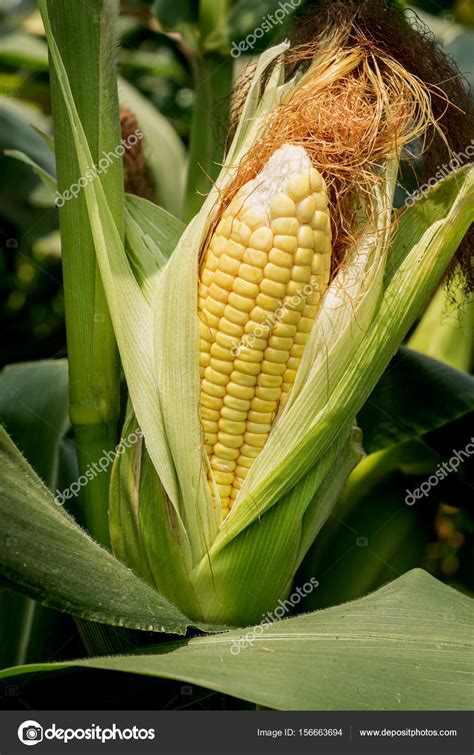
262 277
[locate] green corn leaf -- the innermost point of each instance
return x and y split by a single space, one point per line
51 559
407 646
438 394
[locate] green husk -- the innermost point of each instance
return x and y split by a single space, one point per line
162 519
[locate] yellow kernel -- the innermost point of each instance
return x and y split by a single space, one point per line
241 303
229 264
260 417
286 243
223 366
268 394
233 414
269 381
296 351
218 244
209 414
289 376
243 379
250 274
299 273
240 391
241 232
234 249
249 354
206 276
206 332
303 256
247 368
231 441
224 490
266 302
224 227
290 315
319 221
226 466
254 439
285 330
211 389
298 186
259 405
315 297
230 328
244 288
212 402
309 312
210 320
204 359
252 217
293 363
233 428
319 241
249 451
282 206
272 288
226 452
305 325
300 338
224 478
255 257
273 368
237 316
215 377
315 181
217 352
223 280
306 209
215 307
245 462
261 239
258 315
321 199
233 402
254 427
276 342
276 273
225 341
209 426
281 259
305 236
285 226
317 265
210 439
241 472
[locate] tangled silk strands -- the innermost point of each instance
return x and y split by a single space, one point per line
352 105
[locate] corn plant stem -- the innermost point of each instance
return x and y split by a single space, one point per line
213 82
85 35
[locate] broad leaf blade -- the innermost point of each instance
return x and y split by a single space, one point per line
407 646
50 558
433 394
